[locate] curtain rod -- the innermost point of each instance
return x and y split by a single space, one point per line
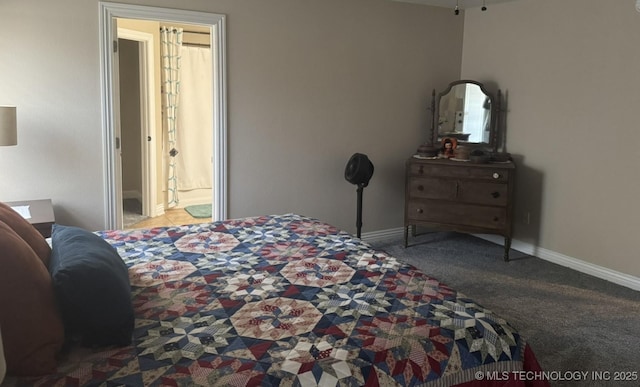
196 44
191 32
195 32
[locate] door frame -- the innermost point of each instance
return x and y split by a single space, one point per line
147 117
108 34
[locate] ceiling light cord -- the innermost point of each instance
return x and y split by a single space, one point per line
456 11
484 5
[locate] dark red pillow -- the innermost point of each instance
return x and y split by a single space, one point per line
32 331
26 231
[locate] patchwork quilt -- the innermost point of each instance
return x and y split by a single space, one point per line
287 301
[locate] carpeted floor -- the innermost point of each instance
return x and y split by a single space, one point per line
132 212
573 321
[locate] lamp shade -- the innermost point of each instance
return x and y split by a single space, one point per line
8 126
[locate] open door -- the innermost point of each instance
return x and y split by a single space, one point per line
117 146
145 124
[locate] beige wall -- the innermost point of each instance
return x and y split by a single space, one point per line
309 84
569 70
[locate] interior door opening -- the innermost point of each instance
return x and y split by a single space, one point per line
142 68
148 138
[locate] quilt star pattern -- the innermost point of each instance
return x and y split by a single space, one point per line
286 300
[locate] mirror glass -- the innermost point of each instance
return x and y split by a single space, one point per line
465 113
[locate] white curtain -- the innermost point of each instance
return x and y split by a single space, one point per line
170 49
195 120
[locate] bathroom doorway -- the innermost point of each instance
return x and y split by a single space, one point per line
149 139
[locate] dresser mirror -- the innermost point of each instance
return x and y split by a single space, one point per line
467 112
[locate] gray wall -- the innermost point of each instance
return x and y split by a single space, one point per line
309 84
569 70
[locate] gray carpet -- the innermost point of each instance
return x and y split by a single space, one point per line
132 212
573 321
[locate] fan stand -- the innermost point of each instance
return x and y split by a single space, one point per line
359 213
358 172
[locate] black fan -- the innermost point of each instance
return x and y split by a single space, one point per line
359 171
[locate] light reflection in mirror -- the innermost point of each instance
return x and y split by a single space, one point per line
465 114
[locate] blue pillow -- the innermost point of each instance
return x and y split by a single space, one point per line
91 284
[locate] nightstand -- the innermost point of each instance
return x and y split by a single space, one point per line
41 212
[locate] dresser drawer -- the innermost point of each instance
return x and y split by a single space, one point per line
478 192
458 214
488 172
432 188
467 191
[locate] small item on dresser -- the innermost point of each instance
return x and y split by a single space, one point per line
462 153
449 145
479 156
500 157
426 150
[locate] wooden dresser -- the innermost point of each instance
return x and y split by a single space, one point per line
459 196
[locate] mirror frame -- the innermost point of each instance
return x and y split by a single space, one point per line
495 110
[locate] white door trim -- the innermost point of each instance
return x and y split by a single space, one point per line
217 23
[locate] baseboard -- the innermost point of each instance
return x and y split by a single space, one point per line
184 202
604 273
382 235
132 194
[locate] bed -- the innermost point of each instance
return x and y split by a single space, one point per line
289 300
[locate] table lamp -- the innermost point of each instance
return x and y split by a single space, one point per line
8 126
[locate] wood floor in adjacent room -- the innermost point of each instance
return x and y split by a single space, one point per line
172 217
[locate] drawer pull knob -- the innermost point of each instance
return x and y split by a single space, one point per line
419 211
420 188
495 219
495 194
421 170
496 175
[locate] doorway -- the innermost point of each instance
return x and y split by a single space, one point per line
110 13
